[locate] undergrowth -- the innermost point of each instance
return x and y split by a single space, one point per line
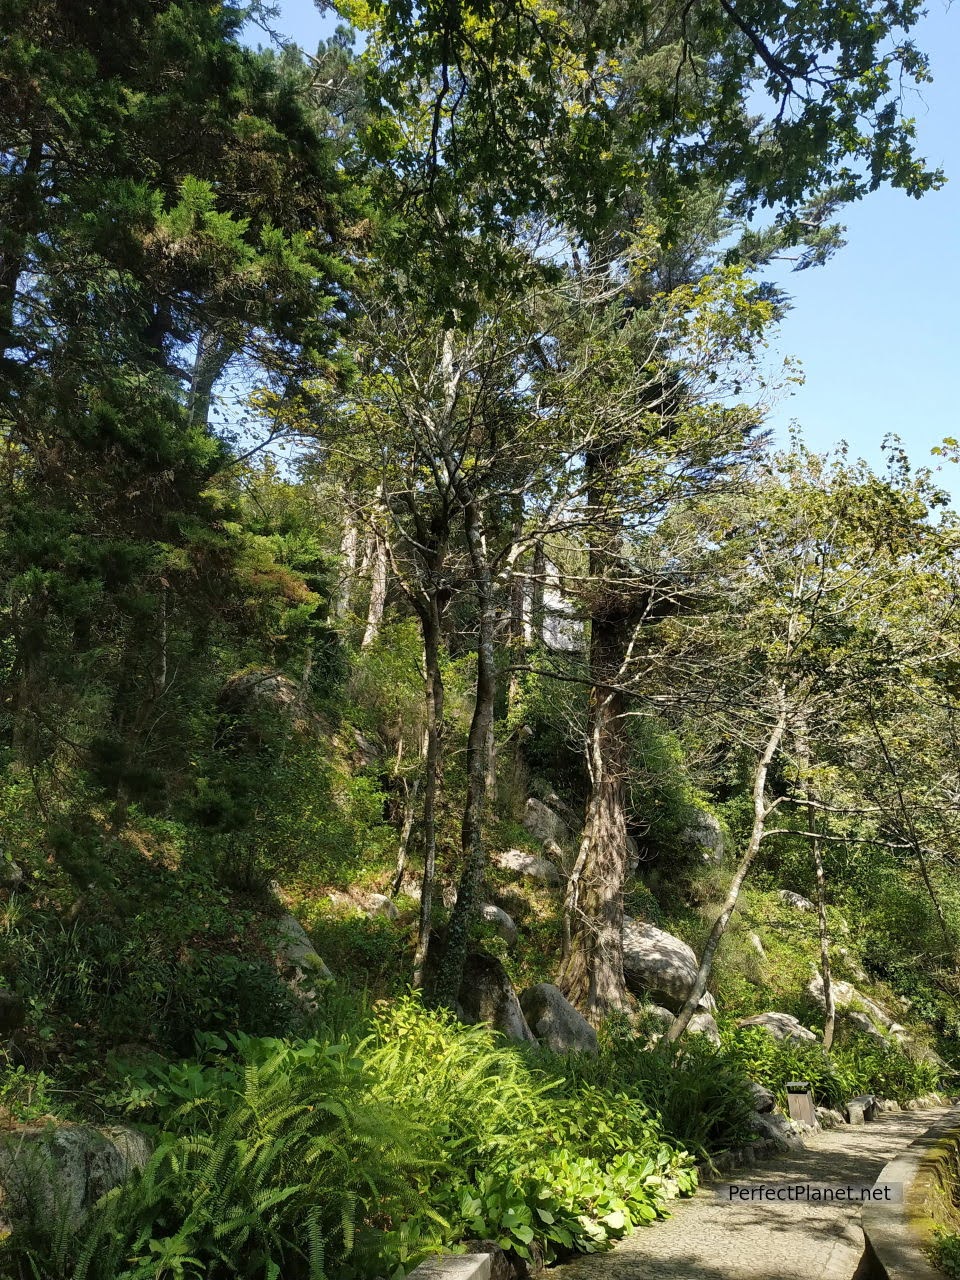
865 1064
361 1156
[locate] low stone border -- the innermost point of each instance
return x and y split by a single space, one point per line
737 1158
454 1266
746 1157
896 1234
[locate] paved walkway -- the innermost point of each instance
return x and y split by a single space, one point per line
709 1238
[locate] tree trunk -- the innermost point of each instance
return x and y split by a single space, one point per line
760 812
433 694
378 592
479 743
517 640
591 971
20 210
826 972
214 350
349 546
411 792
538 573
830 1020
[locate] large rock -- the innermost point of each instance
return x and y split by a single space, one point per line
11 873
378 904
782 1026
487 995
300 966
656 1011
829 1118
852 964
785 1134
555 1022
13 1012
657 963
796 900
529 865
863 1012
704 1024
544 823
60 1171
862 1023
502 923
704 834
763 1099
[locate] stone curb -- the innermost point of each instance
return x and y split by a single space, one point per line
896 1233
746 1157
454 1266
737 1158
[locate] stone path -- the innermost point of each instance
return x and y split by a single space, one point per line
710 1238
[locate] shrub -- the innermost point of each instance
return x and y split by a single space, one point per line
362 1156
698 1091
543 1165
946 1253
863 1065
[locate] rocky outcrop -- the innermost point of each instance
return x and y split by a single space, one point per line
795 900
657 963
300 966
782 1026
763 1099
487 995
658 1012
529 865
828 1118
11 874
785 1134
865 1014
502 923
555 1022
544 823
852 964
61 1170
704 834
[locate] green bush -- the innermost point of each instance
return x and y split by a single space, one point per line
359 1157
174 955
543 1165
698 1091
863 1065
946 1253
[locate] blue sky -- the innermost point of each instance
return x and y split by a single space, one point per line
877 329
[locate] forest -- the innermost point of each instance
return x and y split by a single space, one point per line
457 762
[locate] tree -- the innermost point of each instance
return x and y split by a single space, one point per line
485 117
182 207
826 547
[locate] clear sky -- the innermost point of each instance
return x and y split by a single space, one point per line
877 329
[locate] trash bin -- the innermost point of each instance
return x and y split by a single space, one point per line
800 1102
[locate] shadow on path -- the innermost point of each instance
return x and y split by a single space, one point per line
713 1238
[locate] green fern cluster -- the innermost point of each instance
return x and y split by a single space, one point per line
698 1091
288 1170
315 1159
543 1164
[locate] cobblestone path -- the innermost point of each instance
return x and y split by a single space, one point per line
710 1238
